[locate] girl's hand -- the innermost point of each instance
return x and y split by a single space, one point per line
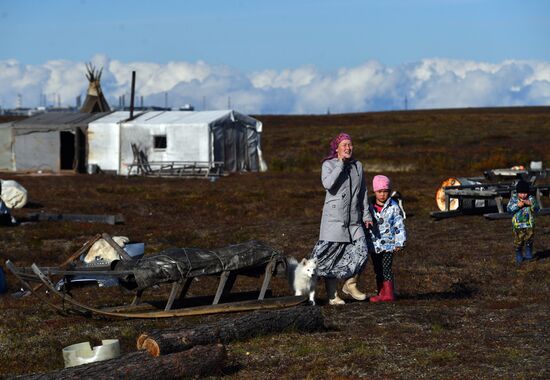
398 249
527 202
521 203
369 224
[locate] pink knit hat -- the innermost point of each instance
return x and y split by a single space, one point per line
381 182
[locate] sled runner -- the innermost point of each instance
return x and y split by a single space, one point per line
175 266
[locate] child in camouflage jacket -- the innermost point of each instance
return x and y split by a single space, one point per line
523 207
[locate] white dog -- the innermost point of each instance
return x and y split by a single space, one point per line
302 278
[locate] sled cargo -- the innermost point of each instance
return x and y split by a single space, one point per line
177 267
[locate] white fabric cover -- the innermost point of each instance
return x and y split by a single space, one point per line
101 250
13 194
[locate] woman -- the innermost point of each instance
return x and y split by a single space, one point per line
342 248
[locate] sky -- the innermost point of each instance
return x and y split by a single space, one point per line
283 57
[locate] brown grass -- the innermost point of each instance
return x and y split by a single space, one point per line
464 310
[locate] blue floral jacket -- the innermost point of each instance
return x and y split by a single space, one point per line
388 231
523 217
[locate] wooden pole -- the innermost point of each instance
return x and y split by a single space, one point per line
132 95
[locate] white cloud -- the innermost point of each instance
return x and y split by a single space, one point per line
372 86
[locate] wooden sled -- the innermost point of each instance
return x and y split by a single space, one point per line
251 259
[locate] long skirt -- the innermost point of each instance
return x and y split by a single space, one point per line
340 260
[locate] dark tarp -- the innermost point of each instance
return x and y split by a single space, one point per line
236 145
175 264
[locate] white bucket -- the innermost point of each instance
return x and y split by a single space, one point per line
82 353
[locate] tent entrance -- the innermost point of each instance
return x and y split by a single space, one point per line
81 151
72 150
236 145
67 150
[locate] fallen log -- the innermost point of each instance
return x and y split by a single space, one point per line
196 362
162 342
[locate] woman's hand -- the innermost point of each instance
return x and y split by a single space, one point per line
369 224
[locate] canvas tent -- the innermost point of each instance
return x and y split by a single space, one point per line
50 142
202 137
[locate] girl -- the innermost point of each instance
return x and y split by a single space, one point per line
387 237
342 247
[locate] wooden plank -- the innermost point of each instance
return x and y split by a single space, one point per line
497 215
221 285
177 286
467 193
498 201
538 196
269 268
445 214
505 215
45 217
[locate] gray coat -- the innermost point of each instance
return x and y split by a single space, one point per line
346 205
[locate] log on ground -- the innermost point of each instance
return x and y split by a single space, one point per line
302 318
196 362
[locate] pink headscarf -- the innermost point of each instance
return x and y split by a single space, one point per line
334 145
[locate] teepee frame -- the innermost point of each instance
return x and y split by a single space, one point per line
95 101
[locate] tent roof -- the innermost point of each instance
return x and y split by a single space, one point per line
112 118
57 121
193 117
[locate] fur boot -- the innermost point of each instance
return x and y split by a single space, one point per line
332 294
350 288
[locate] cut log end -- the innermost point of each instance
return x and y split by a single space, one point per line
151 346
140 340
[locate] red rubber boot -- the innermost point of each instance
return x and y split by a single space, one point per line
376 298
387 292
